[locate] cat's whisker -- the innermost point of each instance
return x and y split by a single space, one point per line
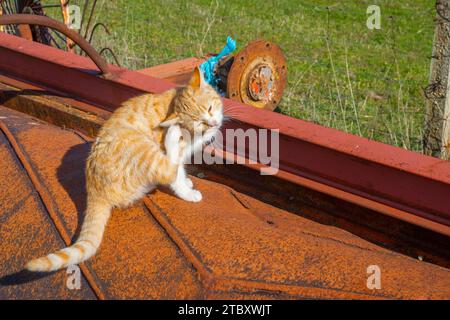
226 118
234 111
231 115
232 119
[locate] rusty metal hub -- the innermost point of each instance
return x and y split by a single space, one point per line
260 83
258 75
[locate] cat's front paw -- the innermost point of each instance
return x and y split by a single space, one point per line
172 143
173 136
189 183
193 196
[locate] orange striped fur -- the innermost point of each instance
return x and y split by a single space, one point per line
142 145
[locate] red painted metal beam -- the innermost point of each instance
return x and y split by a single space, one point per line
72 75
403 184
72 35
391 180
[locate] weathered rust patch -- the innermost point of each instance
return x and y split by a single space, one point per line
238 251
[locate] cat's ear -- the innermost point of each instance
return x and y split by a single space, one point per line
170 120
196 79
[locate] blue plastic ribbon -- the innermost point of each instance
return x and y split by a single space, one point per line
208 67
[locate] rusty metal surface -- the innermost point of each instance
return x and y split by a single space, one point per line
258 75
229 245
178 72
251 247
24 31
386 179
26 227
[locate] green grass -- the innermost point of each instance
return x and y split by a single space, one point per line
341 74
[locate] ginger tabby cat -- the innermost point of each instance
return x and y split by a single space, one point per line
142 145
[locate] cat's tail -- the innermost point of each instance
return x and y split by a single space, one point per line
97 215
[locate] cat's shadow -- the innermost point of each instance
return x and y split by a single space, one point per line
71 176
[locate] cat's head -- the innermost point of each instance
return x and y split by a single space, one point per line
197 107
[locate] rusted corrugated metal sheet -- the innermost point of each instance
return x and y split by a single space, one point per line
229 245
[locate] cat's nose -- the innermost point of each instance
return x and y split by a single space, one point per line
213 122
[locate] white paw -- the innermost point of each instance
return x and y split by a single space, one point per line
172 143
173 136
193 196
189 182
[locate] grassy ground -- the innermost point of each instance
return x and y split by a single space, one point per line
341 74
